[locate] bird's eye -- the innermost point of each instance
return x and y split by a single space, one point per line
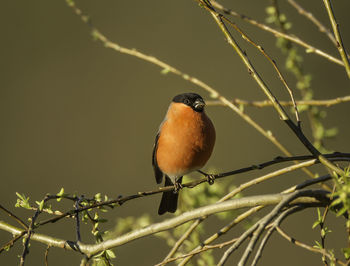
187 102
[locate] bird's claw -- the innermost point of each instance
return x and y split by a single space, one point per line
210 179
177 187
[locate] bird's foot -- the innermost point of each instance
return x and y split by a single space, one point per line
210 177
177 187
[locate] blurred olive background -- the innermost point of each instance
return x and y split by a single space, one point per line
77 115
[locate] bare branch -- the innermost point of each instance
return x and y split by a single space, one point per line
276 223
247 214
267 103
310 48
337 35
121 200
19 220
313 19
307 247
10 243
256 230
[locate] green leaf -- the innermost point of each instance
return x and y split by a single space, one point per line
110 253
331 132
319 214
318 245
346 252
40 204
165 71
315 224
270 10
60 194
23 201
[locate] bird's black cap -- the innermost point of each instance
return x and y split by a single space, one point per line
193 100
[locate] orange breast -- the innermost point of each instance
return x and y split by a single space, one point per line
186 141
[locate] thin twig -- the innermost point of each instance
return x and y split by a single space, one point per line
337 35
313 19
310 48
322 226
267 103
222 231
10 243
31 228
195 252
46 255
276 223
274 64
307 247
19 220
76 206
182 239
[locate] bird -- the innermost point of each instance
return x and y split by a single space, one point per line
183 144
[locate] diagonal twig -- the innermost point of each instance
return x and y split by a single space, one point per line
19 220
313 19
310 48
337 35
307 247
275 224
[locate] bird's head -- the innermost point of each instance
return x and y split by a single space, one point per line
192 100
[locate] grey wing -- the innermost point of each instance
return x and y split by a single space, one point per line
157 172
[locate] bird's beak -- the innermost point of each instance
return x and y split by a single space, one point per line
199 104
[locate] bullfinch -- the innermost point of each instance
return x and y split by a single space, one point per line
184 143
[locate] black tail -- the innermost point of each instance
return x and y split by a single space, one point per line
169 199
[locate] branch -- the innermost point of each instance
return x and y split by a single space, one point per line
10 243
258 227
336 31
31 228
310 48
121 200
309 197
19 220
267 103
273 62
307 247
237 219
275 224
222 231
313 19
